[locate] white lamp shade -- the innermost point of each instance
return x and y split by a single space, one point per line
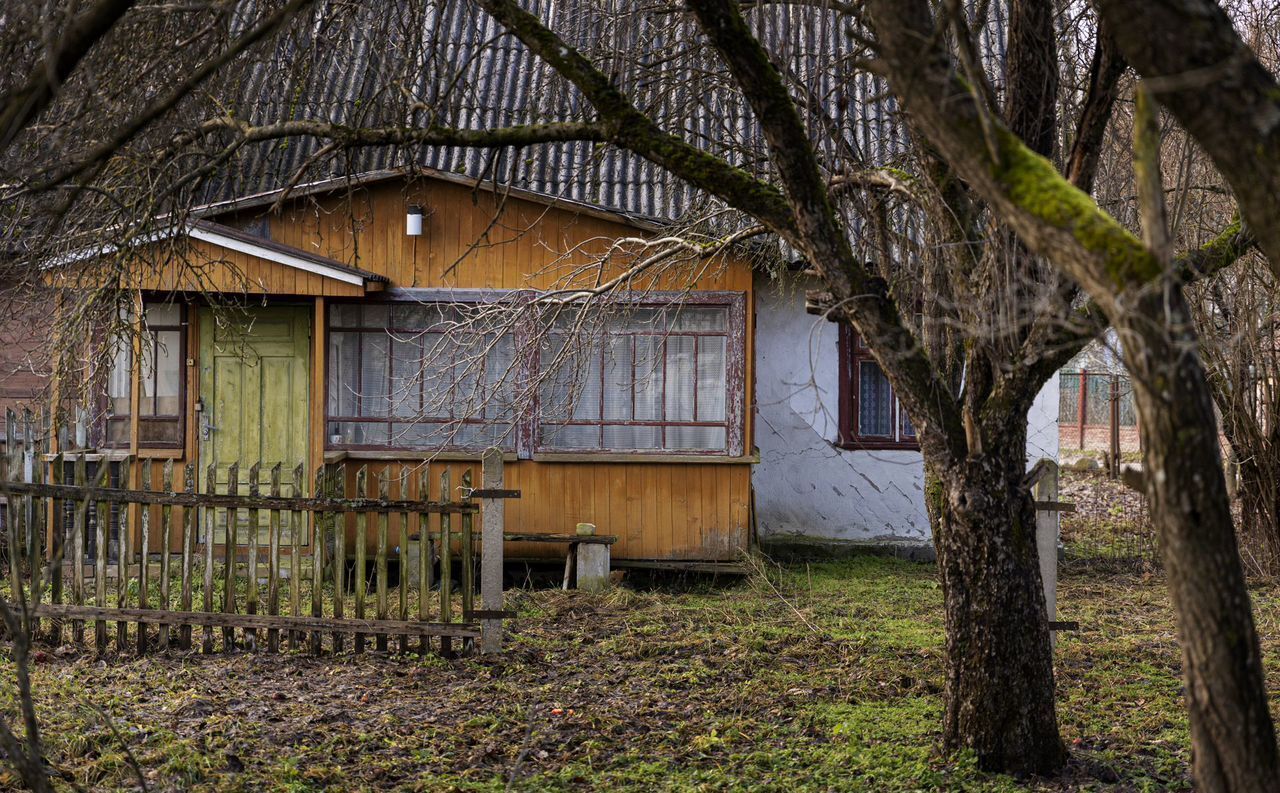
413 222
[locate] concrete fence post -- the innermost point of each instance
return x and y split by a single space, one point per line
492 521
1047 539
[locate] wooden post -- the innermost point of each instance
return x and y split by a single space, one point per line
404 556
210 526
424 551
273 561
100 551
57 533
229 542
188 551
13 472
362 552
296 527
80 477
317 560
124 552
468 551
491 530
166 536
338 522
251 574
380 556
446 565
144 580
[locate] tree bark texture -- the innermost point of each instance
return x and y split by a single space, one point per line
999 693
1259 529
1232 738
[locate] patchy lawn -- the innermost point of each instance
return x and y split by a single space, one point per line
834 688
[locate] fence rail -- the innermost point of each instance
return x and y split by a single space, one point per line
387 554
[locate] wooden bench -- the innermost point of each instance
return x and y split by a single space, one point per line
588 566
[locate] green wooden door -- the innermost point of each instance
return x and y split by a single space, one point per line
254 376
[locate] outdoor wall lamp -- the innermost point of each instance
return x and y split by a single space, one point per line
413 221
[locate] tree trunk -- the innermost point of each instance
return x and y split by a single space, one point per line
999 695
1232 738
1259 529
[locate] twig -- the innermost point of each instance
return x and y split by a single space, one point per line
754 561
133 761
524 748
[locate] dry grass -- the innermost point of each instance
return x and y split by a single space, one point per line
717 688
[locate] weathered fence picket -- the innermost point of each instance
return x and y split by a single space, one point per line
106 527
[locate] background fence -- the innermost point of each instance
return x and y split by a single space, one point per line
1096 413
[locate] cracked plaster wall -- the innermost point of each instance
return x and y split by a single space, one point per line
804 485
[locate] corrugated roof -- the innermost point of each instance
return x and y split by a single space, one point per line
372 69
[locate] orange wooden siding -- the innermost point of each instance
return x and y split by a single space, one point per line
657 510
473 240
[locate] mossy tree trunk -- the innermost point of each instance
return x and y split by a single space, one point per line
1232 738
999 693
1139 287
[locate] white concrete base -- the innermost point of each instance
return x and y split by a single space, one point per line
593 567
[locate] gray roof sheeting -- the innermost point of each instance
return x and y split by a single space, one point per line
373 68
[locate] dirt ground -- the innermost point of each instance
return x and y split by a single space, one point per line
823 677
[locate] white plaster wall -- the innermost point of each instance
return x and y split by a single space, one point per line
804 485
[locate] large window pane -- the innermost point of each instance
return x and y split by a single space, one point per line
658 385
161 374
649 374
344 374
416 379
875 401
374 374
681 375
712 378
118 381
406 376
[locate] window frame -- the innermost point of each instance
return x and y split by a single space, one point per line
525 436
853 353
390 299
735 383
135 385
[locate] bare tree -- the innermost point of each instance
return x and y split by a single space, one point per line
84 81
970 264
961 307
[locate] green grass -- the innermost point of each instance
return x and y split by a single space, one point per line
825 677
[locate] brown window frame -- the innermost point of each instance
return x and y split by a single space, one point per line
135 379
853 353
735 385
525 439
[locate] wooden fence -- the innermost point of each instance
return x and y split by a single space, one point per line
249 558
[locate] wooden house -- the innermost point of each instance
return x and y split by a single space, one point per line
334 297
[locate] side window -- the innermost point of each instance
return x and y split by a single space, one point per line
870 415
161 384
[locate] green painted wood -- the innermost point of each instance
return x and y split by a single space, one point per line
254 386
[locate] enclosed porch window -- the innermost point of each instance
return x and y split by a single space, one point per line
650 379
665 375
161 388
415 376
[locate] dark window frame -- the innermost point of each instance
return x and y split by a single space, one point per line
510 443
734 335
525 438
853 354
151 336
